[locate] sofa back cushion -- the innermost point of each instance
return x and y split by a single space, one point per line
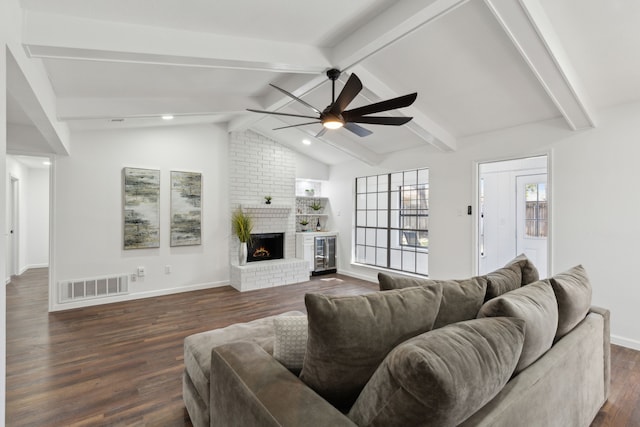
536 305
461 299
573 292
349 336
441 377
517 272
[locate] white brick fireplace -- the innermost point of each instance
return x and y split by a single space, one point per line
260 167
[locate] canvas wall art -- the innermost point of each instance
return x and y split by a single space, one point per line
141 208
186 208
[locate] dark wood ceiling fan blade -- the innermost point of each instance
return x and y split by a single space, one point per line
289 94
322 132
358 130
299 124
281 114
377 120
389 104
350 90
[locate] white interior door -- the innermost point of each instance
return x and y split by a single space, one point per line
532 228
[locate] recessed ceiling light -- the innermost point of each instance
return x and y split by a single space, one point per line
306 142
46 163
167 117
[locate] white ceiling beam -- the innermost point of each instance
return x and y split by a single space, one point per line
398 21
20 85
423 126
530 30
56 36
107 108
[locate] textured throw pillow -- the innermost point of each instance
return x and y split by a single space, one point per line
536 305
441 377
461 299
573 292
349 336
290 342
517 272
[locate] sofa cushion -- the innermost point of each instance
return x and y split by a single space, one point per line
573 292
536 305
197 347
529 271
517 272
290 342
461 299
441 377
349 336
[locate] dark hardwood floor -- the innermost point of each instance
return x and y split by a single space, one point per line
121 364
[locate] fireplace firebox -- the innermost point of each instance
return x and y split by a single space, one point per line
265 246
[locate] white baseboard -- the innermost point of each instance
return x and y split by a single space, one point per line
137 295
30 266
625 342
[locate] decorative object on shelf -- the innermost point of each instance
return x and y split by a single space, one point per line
242 226
304 224
267 200
318 226
141 206
309 192
186 208
316 205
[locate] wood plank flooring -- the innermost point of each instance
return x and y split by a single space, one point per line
121 364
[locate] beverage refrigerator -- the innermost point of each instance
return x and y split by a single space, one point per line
324 260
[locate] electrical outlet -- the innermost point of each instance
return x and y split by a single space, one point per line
140 271
167 269
134 277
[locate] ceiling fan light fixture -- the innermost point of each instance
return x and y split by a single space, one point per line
332 122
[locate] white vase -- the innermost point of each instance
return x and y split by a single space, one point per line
242 253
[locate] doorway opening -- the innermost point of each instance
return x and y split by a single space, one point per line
13 232
28 219
513 213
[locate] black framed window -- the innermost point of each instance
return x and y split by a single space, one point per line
392 221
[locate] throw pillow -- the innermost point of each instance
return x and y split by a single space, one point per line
573 292
536 305
441 377
503 280
349 336
290 342
518 272
461 299
529 271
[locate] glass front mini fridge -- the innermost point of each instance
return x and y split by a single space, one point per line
324 255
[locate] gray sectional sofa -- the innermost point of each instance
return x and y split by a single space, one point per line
506 349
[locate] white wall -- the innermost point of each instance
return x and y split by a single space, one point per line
308 168
88 208
594 180
37 218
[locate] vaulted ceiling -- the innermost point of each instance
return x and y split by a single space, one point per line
477 65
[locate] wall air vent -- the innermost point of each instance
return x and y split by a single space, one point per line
99 287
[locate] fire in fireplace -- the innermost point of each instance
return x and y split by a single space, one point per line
265 246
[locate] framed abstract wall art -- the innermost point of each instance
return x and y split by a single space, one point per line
186 208
141 208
